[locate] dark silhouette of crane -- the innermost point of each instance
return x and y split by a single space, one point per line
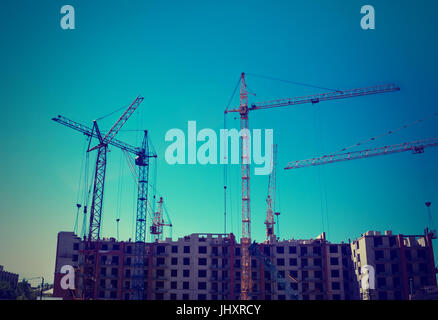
142 161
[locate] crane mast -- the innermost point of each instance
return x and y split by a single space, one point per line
270 200
142 162
99 184
243 110
246 282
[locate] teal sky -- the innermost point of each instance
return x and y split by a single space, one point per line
185 58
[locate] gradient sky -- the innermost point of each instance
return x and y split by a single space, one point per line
185 58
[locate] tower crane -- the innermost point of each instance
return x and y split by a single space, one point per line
156 228
100 169
270 200
243 109
142 161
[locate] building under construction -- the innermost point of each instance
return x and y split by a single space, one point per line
217 266
403 264
208 267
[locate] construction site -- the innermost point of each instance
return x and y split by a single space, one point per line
220 266
211 154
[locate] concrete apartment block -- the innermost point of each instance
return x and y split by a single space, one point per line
67 253
403 264
207 267
324 271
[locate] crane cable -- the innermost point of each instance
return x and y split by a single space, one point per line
79 192
324 181
119 193
351 146
387 133
225 175
321 177
293 82
82 186
88 185
323 187
154 164
112 112
323 192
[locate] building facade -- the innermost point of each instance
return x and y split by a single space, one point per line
207 267
403 266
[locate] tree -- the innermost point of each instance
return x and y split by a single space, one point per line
24 291
6 291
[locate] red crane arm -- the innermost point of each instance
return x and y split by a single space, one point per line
119 123
415 147
335 95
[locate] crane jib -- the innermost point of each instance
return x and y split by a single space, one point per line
89 132
313 99
417 147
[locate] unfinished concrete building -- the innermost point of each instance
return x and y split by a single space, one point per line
207 267
402 264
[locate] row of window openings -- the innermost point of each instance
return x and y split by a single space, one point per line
214 274
114 247
378 241
185 296
267 275
224 286
280 262
201 296
215 262
280 286
266 250
383 283
395 268
215 250
203 273
380 254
